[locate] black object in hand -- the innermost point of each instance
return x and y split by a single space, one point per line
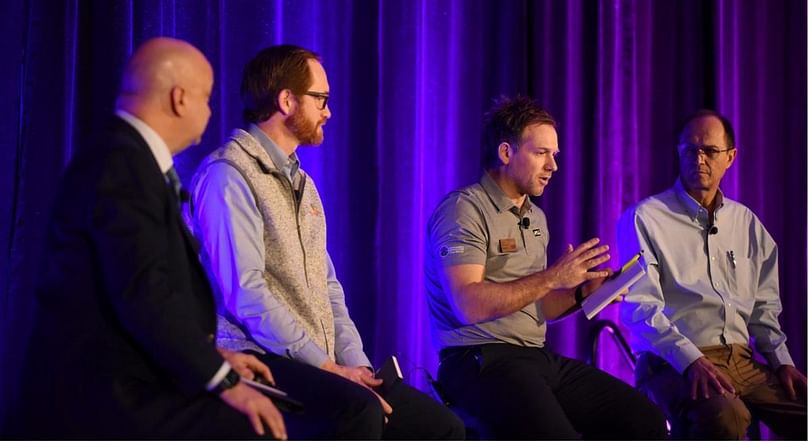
279 397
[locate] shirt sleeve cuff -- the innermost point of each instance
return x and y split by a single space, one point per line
309 353
354 358
779 357
682 357
218 376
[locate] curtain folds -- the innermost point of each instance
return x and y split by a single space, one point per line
410 81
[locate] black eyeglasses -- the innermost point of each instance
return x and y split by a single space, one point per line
321 96
689 150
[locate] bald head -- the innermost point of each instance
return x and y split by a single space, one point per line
167 84
157 65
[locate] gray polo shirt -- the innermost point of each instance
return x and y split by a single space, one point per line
479 224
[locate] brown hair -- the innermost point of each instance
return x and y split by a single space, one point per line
271 71
506 121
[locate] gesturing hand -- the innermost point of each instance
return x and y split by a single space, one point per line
573 268
704 376
258 409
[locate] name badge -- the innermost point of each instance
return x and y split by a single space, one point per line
537 232
508 245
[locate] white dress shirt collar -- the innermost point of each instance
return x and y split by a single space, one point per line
156 144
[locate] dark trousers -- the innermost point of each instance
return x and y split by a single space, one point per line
758 393
204 417
138 410
336 408
515 392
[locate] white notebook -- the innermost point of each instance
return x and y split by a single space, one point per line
630 273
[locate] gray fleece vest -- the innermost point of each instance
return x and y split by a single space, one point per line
294 239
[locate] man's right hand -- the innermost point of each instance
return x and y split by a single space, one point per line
257 407
248 366
359 375
705 379
573 267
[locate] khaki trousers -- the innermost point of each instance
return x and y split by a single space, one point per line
758 393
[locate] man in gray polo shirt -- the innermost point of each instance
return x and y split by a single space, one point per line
490 293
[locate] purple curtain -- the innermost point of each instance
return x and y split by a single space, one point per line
410 81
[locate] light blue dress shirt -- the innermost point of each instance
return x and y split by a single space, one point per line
702 289
231 230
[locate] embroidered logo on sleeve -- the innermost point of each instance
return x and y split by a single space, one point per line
446 251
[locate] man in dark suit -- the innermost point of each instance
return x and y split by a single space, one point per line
123 346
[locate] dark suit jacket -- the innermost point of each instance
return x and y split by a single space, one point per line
124 338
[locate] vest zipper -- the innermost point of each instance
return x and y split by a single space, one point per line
298 200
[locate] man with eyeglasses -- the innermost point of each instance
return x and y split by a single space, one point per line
261 222
712 285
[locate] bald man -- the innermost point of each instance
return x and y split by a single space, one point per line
123 344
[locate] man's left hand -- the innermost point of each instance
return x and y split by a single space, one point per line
362 376
248 366
593 285
794 381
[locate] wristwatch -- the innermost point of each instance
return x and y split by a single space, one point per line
579 296
229 381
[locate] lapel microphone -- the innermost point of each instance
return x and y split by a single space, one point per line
525 222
